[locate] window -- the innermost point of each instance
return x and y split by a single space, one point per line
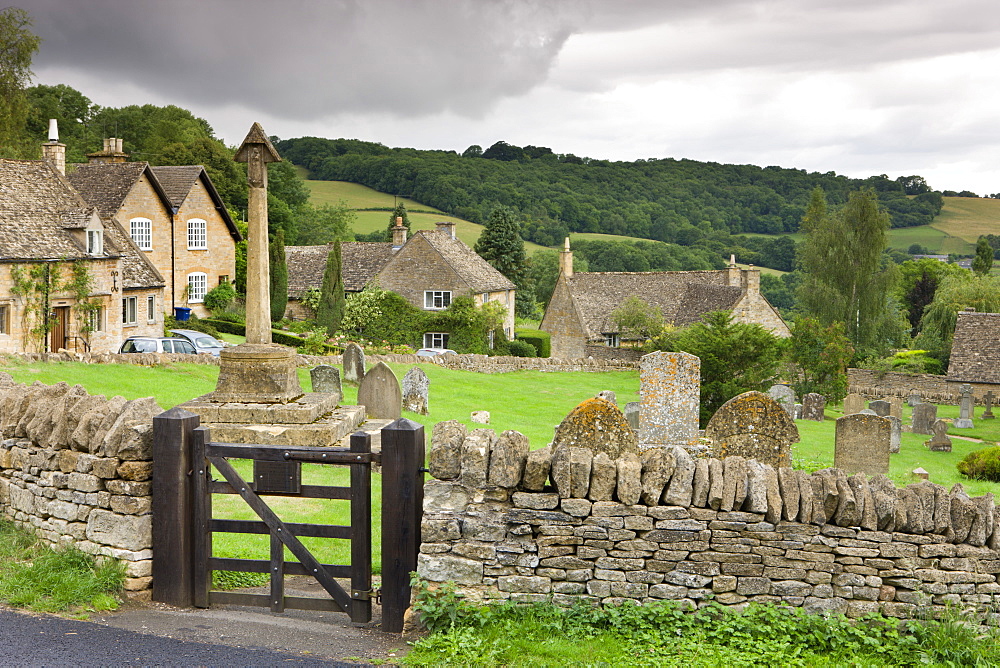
611 339
141 231
151 308
223 279
437 340
197 235
197 286
129 311
95 242
95 320
437 299
4 327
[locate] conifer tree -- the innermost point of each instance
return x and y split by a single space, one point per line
279 275
982 264
501 245
398 212
17 46
330 310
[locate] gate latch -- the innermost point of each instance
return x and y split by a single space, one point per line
366 595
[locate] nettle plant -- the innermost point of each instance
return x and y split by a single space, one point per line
36 284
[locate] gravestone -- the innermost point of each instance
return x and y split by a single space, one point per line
988 400
416 387
923 418
867 411
785 396
798 411
379 393
853 403
480 417
896 433
862 444
326 379
896 407
669 391
598 425
608 395
354 363
632 414
964 420
940 442
880 406
754 426
813 405
913 398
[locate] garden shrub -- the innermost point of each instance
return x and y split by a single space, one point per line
237 328
982 464
194 323
541 341
221 297
520 348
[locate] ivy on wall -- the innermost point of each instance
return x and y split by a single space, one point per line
36 284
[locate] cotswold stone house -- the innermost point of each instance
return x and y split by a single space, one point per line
578 316
173 214
429 270
52 239
975 350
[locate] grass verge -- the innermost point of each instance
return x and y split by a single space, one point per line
63 580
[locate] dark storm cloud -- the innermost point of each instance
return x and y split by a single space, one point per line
306 59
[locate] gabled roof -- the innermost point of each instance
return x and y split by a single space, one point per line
137 270
107 184
682 296
37 208
975 350
177 181
360 263
477 272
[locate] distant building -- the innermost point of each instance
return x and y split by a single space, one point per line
975 349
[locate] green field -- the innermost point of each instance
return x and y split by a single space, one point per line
933 239
969 217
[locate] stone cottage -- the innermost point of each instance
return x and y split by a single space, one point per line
173 214
59 259
428 269
578 316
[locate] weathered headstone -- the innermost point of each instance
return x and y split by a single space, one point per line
598 425
798 411
669 388
921 473
913 398
880 406
813 405
896 407
965 404
853 403
416 387
354 363
785 396
862 444
923 418
753 425
867 411
608 395
379 393
896 433
326 379
940 442
632 414
988 400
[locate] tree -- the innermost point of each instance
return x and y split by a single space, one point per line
982 264
398 212
17 47
325 224
474 151
501 245
820 355
954 294
279 275
637 319
330 311
543 272
846 276
918 281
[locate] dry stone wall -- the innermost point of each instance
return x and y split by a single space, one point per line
506 523
77 469
933 389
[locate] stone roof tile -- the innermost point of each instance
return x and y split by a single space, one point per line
106 185
975 350
477 272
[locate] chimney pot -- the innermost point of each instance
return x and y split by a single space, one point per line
53 130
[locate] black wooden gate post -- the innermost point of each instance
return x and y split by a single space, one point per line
402 507
171 506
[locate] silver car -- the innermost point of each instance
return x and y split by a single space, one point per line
156 344
203 343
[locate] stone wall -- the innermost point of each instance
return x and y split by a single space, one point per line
77 469
569 525
600 352
933 389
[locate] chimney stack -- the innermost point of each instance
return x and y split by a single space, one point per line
112 152
398 234
566 260
52 150
447 227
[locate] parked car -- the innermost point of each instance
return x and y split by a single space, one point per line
157 344
202 342
434 352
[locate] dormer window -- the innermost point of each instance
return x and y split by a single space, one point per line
95 242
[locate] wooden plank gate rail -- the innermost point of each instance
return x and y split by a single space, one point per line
183 456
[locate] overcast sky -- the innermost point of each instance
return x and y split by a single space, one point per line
858 87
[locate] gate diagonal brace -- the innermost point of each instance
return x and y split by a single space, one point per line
279 530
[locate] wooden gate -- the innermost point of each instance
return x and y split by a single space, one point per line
183 485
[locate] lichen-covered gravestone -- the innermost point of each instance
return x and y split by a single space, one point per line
379 393
785 396
754 426
964 420
862 444
326 379
354 363
940 442
598 425
880 406
895 433
988 400
923 418
853 403
669 388
632 414
896 407
813 405
416 388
